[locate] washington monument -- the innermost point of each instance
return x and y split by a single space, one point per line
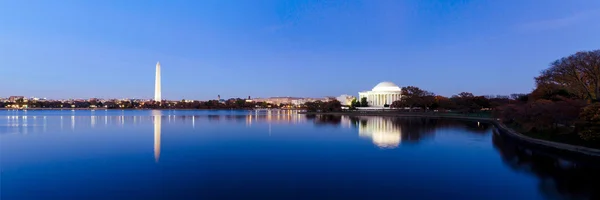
157 83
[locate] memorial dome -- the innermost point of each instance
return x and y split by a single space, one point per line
386 87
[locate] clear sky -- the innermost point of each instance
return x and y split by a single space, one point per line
261 48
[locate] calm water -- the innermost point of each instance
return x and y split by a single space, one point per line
272 155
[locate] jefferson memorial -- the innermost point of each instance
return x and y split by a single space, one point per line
383 93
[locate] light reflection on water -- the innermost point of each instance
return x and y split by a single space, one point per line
274 154
157 129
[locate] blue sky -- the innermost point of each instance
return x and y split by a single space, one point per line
260 48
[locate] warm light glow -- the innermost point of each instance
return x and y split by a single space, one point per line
72 123
382 131
157 131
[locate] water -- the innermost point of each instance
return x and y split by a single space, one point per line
177 154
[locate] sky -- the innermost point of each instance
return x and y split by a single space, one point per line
263 48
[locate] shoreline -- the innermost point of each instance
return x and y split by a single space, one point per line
55 109
557 146
144 109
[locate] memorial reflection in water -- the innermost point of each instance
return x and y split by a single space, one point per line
383 132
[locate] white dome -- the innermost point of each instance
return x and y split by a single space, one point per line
386 87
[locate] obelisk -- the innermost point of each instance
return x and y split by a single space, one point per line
157 96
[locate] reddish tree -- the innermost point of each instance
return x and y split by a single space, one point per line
591 122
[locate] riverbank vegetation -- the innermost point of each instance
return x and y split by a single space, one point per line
565 105
320 106
235 103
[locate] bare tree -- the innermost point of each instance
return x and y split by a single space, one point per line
579 73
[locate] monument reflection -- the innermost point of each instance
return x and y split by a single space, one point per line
384 132
559 178
389 132
157 130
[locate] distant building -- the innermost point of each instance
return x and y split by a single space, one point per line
15 98
277 100
110 104
345 99
298 102
382 94
301 101
327 99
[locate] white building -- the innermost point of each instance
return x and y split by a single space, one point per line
383 93
277 100
297 102
157 91
345 99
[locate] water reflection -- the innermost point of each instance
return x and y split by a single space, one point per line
559 178
233 146
157 130
384 132
389 132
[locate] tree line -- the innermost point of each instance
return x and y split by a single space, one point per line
234 103
565 101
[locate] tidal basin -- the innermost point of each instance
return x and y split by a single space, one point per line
278 154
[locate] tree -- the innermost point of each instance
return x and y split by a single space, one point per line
397 104
428 101
332 106
591 122
313 106
481 102
363 102
517 96
319 106
240 103
465 95
463 101
415 97
578 73
551 91
354 103
542 114
444 103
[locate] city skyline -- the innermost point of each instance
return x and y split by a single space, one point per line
284 48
